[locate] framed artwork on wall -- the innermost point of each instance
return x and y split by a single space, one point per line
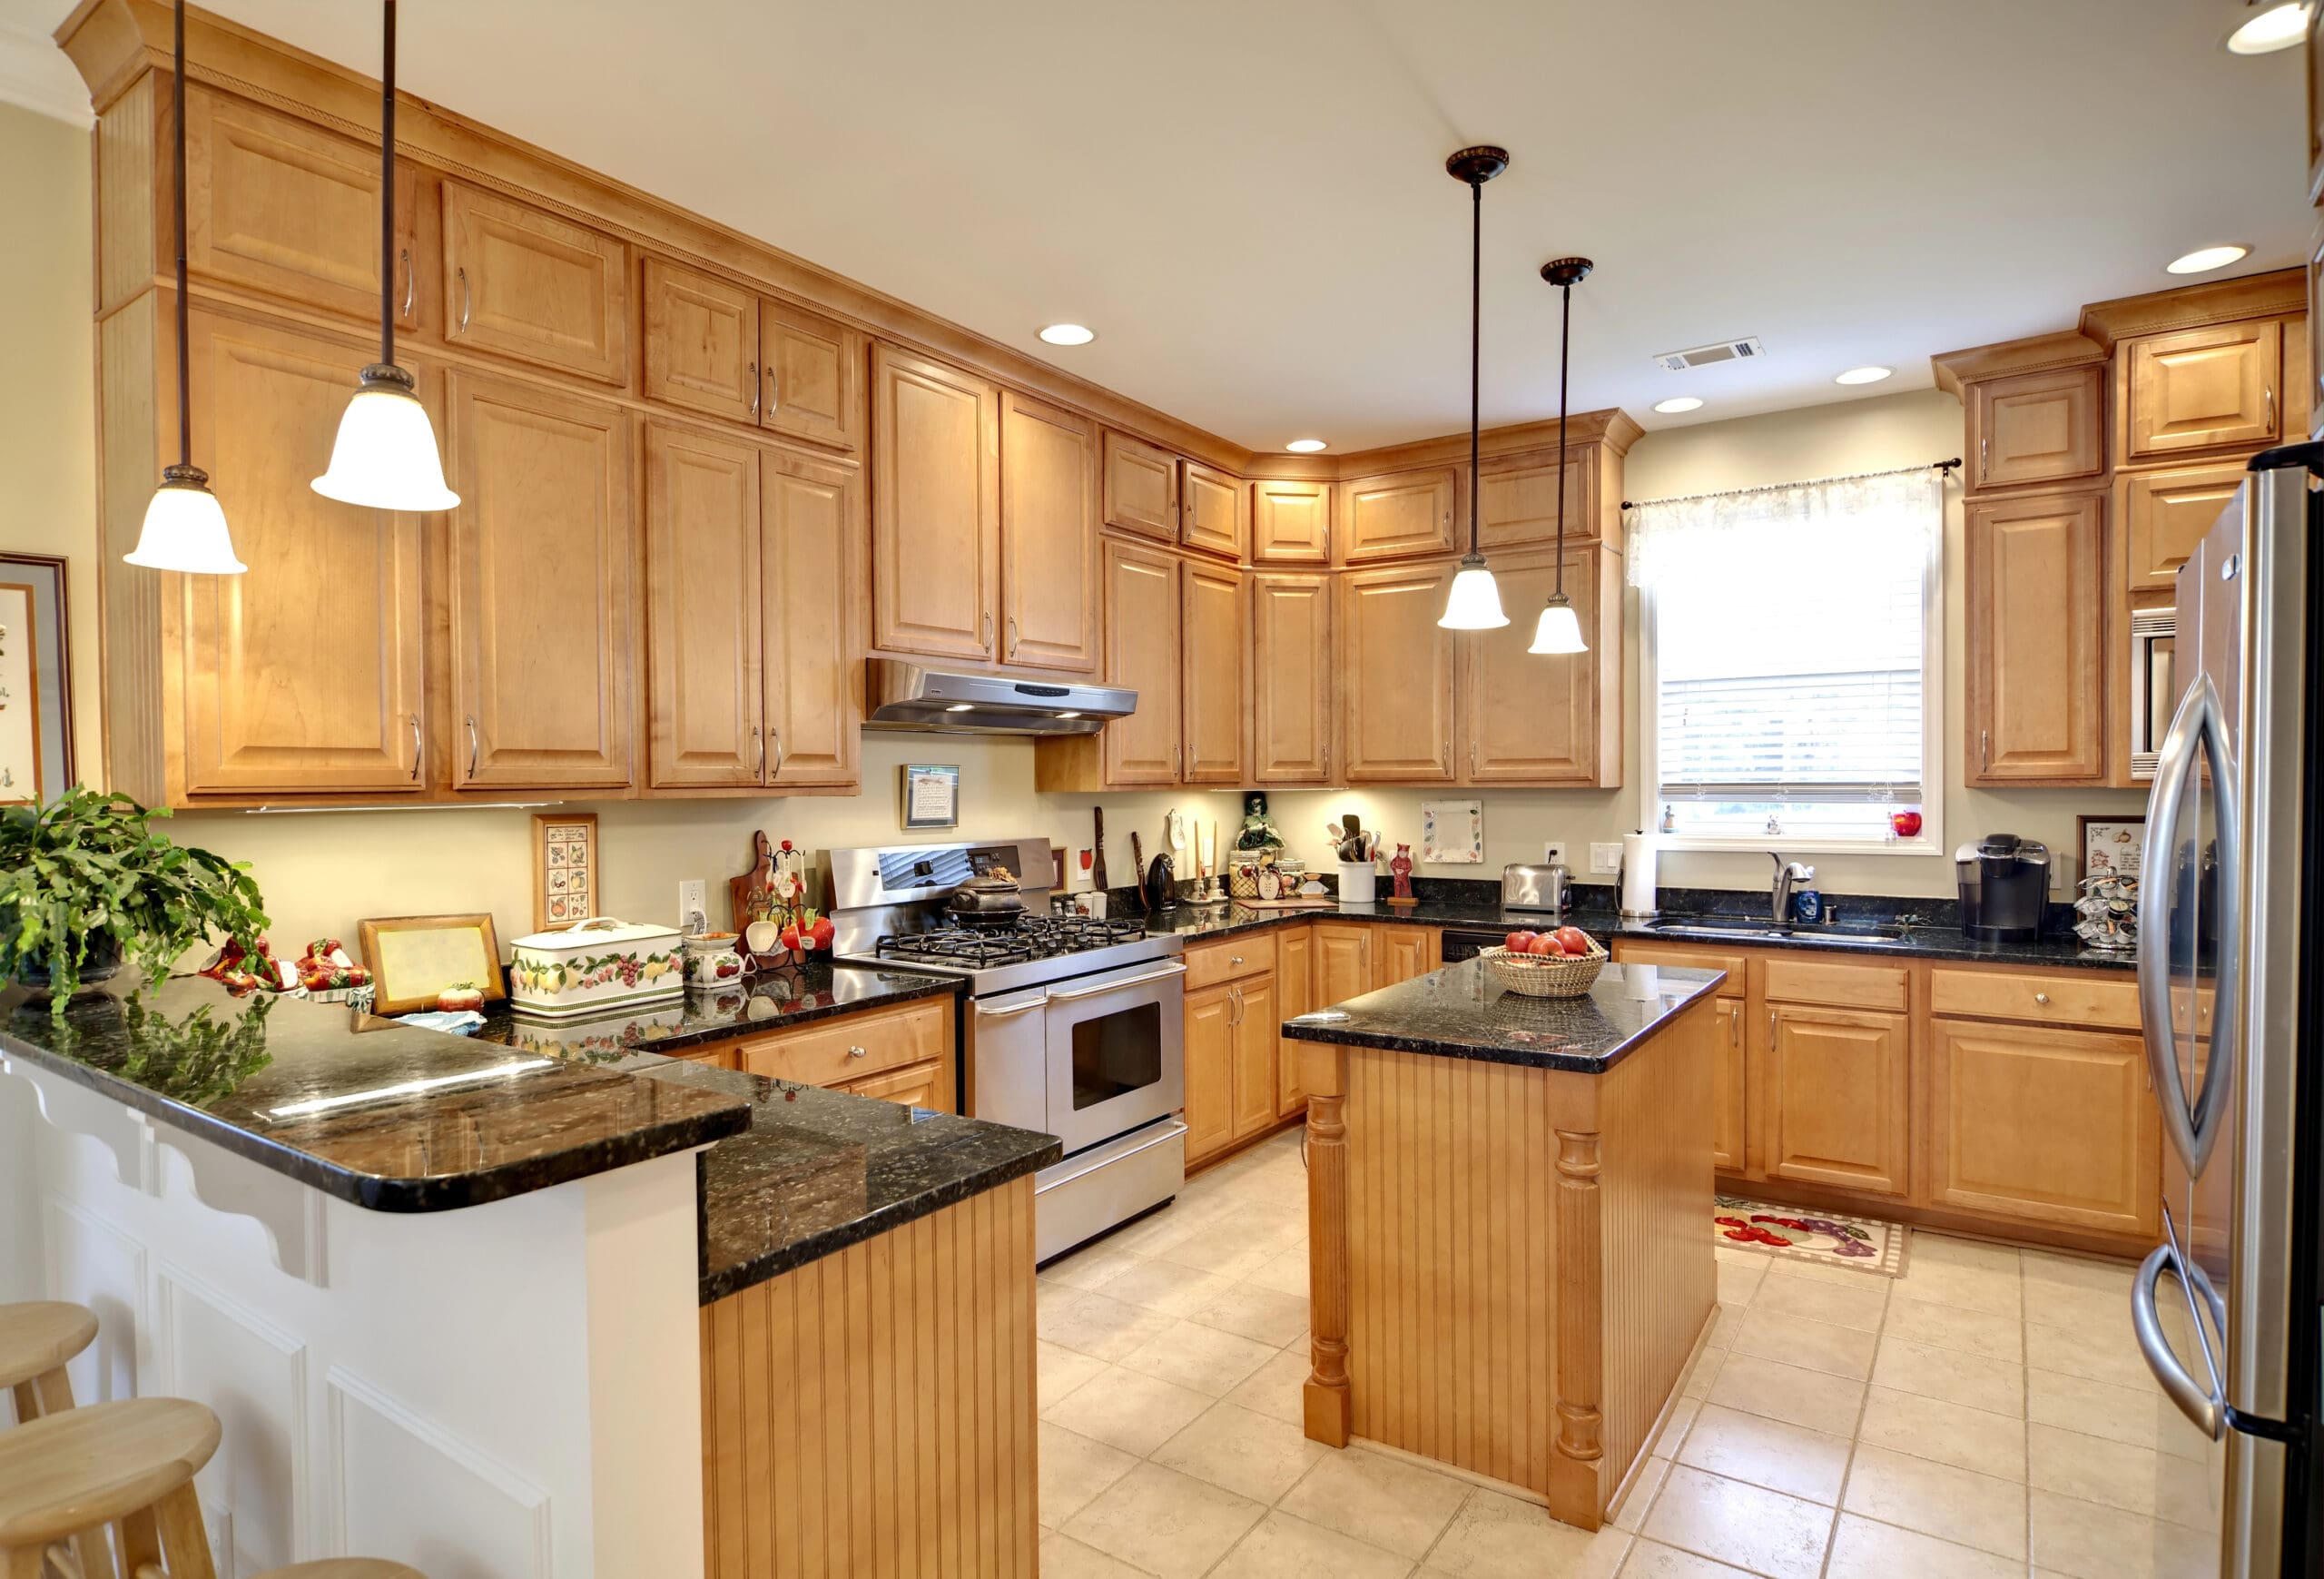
929 795
564 869
1451 833
2111 847
35 681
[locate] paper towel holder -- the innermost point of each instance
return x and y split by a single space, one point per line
1621 883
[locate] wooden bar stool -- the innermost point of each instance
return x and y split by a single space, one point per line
35 1340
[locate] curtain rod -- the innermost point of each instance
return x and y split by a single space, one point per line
1807 482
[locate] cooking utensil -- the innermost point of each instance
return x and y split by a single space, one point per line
996 893
1098 850
1138 867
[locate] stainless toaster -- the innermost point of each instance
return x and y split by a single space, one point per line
1542 888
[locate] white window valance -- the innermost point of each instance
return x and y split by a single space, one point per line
1844 528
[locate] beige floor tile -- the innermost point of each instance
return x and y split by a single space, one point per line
1063 1557
1725 1323
1942 1327
1857 1304
1261 1315
1170 1287
1171 1523
1936 1499
1092 1268
1495 1536
2077 1307
1782 1457
1201 1358
1250 1454
1675 1427
1096 1324
1749 1527
1230 1249
1151 1236
1074 1469
1829 1269
2190 1495
1950 1434
2091 1468
1282 1548
1816 1346
1645 1480
2090 1541
1957 1377
2094 1272
1738 1278
1863 1549
2132 1416
1286 1274
1058 1370
1127 1409
1386 1502
2100 1357
1653 1559
1952 1250
1939 1282
1276 1389
1800 1398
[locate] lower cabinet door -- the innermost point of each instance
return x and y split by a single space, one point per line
1256 1024
1727 1149
1342 962
1210 1071
1837 1098
2052 1126
918 1085
1295 990
1403 952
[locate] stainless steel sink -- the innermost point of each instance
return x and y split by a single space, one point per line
1738 927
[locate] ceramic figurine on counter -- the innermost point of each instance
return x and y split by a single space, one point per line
1259 831
1400 872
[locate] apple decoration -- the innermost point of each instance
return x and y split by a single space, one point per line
1566 941
461 997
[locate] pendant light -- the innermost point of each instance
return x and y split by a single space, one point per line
1560 631
185 526
386 456
1475 602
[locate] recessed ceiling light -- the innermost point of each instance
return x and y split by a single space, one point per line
1863 375
2203 260
2274 28
1678 403
1067 334
1304 446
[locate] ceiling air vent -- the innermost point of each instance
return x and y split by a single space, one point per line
1703 356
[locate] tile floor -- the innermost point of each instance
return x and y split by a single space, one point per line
1985 1415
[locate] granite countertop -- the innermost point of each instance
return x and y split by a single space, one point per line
819 1170
387 1115
1460 1011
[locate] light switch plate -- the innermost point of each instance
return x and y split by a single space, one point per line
1554 853
1606 858
692 901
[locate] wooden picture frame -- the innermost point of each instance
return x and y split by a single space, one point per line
567 882
2093 834
37 758
412 958
928 794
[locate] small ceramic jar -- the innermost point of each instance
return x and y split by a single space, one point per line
711 961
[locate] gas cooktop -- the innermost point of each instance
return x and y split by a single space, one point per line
1013 940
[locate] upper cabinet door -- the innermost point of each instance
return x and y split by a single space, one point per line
2044 427
1142 618
1291 523
702 608
2202 388
702 342
813 371
813 516
1214 512
1141 488
1517 501
2037 703
1408 513
1291 678
935 507
1395 673
1048 537
541 549
2164 514
528 284
286 208
1530 719
1210 640
304 672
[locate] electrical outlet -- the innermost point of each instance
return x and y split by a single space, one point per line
1554 853
692 901
1606 858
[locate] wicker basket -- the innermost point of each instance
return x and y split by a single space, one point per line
1545 975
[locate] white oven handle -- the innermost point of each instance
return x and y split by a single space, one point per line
1164 972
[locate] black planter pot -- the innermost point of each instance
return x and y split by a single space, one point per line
103 963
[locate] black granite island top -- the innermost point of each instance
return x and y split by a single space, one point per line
387 1115
1460 1011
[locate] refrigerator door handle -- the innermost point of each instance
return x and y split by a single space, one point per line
2199 1403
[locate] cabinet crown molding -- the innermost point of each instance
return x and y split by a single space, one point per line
2279 293
2033 354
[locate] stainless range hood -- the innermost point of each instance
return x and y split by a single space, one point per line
904 696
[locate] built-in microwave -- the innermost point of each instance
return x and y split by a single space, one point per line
2153 634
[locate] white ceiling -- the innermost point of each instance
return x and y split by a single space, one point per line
1246 198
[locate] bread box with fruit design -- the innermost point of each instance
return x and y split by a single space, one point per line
595 965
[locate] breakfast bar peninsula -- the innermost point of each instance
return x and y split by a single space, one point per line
1509 1201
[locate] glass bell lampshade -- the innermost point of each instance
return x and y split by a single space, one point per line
386 456
1559 630
186 528
1475 600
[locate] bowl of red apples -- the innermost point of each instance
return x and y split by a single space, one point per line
1563 964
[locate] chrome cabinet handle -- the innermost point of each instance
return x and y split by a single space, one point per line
1735 1031
1473 758
755 390
462 275
1179 760
415 749
1234 959
473 747
1237 992
1327 759
1012 636
1984 458
777 734
1985 750
773 390
859 1052
758 738
987 627
410 282
2041 998
2269 393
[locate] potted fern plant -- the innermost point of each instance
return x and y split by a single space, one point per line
86 886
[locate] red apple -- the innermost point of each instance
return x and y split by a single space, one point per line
1517 943
1572 940
1542 943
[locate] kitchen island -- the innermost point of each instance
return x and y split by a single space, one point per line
1509 1202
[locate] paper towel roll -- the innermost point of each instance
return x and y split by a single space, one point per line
1638 874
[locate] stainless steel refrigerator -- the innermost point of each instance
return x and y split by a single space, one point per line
2226 1308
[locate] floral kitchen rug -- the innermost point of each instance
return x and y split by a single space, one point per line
1861 1244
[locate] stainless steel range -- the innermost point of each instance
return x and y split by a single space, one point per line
1071 1026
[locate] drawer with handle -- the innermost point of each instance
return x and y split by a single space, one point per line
1688 959
1850 986
1243 954
2085 999
849 1049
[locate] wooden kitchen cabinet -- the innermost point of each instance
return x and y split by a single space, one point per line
1401 953
701 341
1142 616
522 283
2214 387
305 673
1210 1052
2164 514
1400 516
935 507
1730 1106
703 640
1048 537
1214 520
540 589
1291 678
1396 671
1141 489
1342 962
1517 505
892 1047
2038 427
811 516
1837 1104
1291 523
918 1085
2035 711
1210 643
1294 991
1528 718
1257 1023
811 372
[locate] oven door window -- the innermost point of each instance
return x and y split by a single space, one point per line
1116 1054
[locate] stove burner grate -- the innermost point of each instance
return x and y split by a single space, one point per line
1012 940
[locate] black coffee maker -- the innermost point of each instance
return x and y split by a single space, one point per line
2004 887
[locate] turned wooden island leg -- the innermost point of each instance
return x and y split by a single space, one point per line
1323 1072
1577 1491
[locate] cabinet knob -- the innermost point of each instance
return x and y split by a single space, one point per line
1234 959
859 1052
2042 998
